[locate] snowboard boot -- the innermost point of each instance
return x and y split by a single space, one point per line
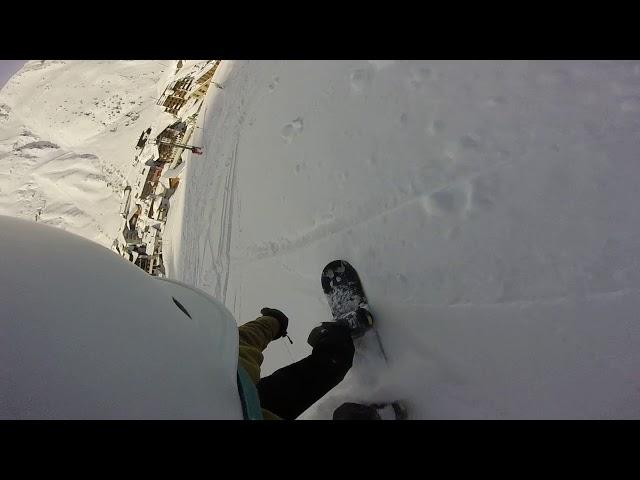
357 322
379 411
397 410
328 333
356 411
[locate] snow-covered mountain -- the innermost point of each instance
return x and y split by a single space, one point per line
68 131
489 207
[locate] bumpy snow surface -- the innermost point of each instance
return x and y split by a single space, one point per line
491 209
67 135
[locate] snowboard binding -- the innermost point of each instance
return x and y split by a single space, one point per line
357 322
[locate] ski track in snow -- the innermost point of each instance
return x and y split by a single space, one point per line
338 225
217 246
224 245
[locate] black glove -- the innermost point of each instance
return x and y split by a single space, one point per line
281 317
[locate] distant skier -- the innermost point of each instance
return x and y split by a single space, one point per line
217 85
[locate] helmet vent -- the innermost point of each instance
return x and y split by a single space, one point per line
181 307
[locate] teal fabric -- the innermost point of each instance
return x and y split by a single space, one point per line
249 396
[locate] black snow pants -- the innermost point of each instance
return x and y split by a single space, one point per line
289 391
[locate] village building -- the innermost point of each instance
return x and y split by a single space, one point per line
192 87
145 204
204 78
149 255
153 177
126 201
159 207
129 231
168 138
176 95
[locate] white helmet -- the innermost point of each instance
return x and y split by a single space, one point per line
86 335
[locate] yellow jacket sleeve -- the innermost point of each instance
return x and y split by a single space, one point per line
254 338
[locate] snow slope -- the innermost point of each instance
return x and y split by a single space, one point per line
67 135
490 208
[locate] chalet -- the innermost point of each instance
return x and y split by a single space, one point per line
203 80
166 140
132 219
176 95
153 177
149 254
190 87
159 208
129 231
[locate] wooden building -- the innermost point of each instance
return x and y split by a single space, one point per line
170 135
176 95
153 177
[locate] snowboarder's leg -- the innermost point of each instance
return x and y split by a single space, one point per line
289 391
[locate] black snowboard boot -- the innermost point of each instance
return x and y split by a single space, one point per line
355 411
359 411
356 322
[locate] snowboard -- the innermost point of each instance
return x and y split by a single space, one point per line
349 307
